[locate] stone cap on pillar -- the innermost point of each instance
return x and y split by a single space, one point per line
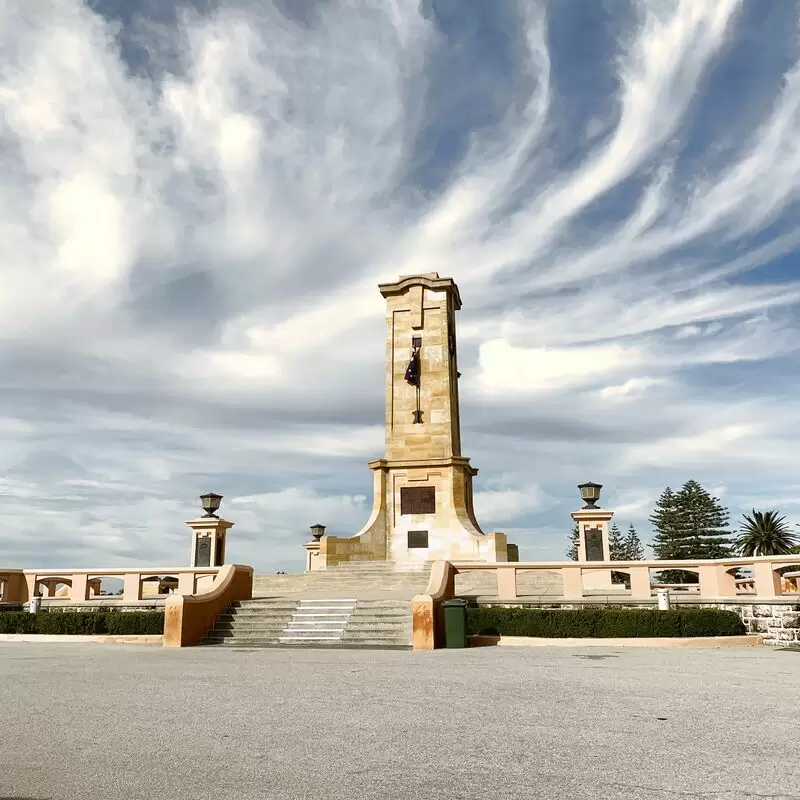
592 515
209 524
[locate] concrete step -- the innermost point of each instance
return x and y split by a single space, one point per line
237 634
383 603
330 603
384 565
269 643
314 622
378 643
369 625
323 623
267 603
384 609
376 637
265 591
247 613
249 624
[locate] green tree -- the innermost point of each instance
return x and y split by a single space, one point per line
572 550
633 545
616 543
665 524
689 524
765 534
616 547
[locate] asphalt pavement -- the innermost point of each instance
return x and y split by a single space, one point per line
95 721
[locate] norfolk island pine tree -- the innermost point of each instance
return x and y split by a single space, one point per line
689 524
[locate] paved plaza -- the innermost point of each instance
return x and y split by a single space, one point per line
114 722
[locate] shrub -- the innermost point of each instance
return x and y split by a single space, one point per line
603 623
115 623
85 623
17 622
135 623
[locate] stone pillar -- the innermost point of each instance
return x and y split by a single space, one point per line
312 557
593 544
208 541
313 561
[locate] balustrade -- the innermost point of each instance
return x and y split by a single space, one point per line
769 580
18 586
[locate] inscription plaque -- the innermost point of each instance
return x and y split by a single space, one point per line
594 544
202 556
418 500
417 539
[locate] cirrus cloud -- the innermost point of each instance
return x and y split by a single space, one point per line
199 200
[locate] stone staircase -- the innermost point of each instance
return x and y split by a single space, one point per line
359 579
354 604
326 622
318 622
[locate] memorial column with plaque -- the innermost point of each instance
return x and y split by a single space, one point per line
422 487
593 541
209 533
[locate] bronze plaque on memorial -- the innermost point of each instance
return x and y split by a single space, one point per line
418 500
202 557
594 544
417 539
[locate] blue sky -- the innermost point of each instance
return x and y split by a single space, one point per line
199 202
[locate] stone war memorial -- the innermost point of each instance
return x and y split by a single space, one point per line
388 585
422 487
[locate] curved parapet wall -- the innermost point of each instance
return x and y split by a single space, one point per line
188 618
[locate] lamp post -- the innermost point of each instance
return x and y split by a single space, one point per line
211 503
313 547
593 539
209 534
590 493
317 531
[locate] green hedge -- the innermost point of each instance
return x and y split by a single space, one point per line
603 623
114 623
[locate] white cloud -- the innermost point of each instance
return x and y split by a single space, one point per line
191 247
630 389
493 507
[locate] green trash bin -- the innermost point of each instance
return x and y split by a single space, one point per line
455 623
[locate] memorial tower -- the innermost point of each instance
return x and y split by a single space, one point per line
422 505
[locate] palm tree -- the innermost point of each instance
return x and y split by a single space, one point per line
765 534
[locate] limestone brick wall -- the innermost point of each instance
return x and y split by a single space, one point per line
778 624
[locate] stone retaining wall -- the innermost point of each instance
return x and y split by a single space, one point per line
778 624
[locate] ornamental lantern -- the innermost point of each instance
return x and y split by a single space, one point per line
590 493
211 503
317 531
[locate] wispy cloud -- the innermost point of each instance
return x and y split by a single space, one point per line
197 206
